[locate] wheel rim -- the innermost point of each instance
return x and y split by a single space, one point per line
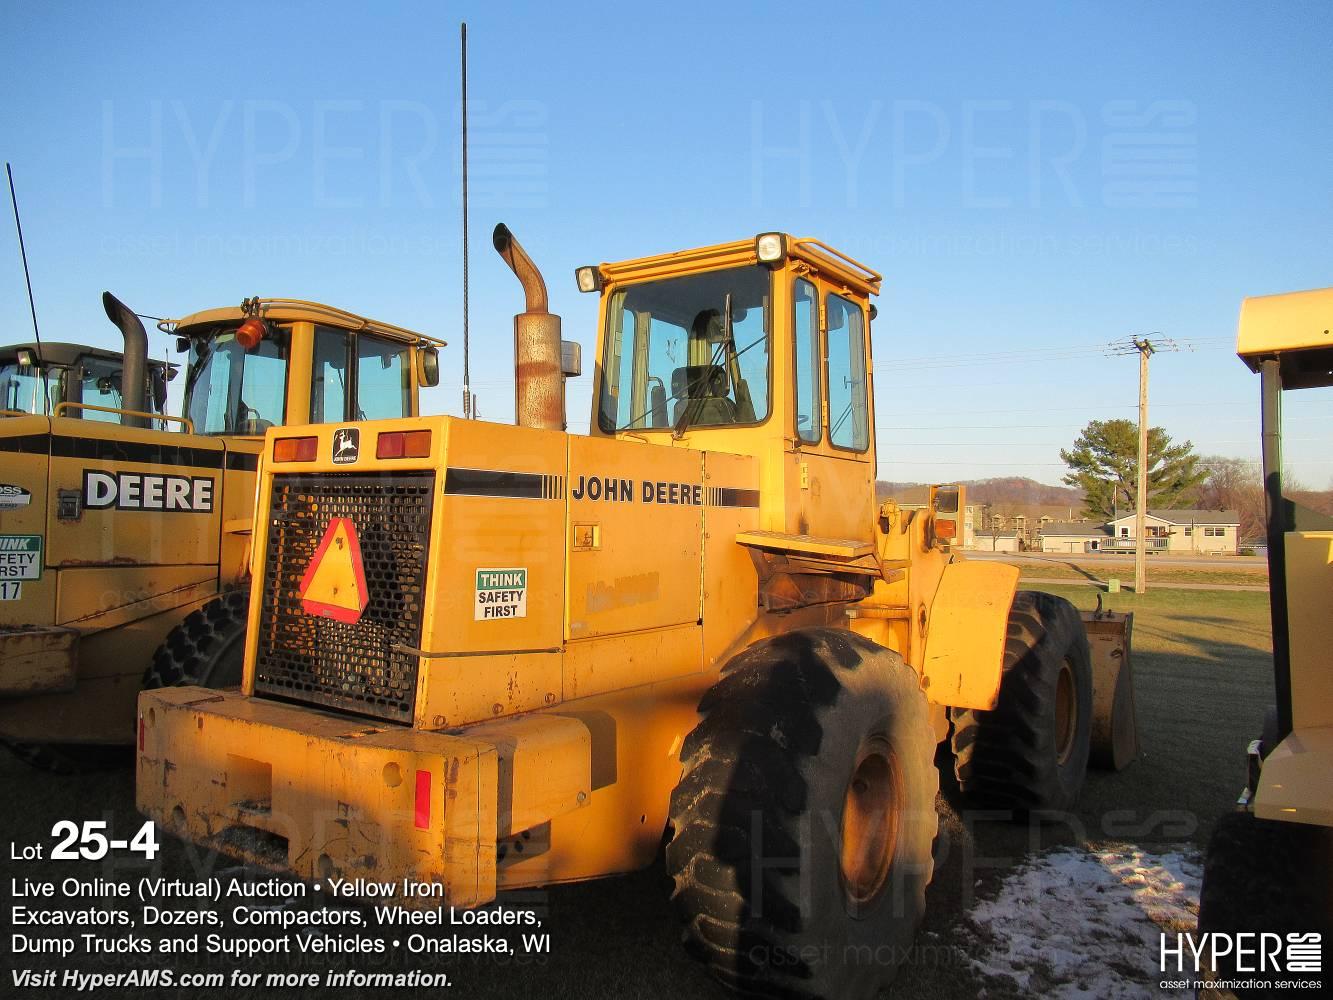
1066 713
870 823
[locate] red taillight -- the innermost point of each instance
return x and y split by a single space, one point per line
945 529
403 444
141 734
251 332
423 800
302 449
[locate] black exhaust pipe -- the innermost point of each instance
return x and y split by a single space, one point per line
134 368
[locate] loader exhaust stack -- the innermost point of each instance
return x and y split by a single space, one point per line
538 382
133 372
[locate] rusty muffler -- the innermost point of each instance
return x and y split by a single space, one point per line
539 389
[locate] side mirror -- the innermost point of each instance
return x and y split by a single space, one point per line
571 358
182 344
428 366
944 499
159 378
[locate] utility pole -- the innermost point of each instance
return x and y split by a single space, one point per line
1145 350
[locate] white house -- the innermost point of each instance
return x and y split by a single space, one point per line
1181 531
995 541
1072 538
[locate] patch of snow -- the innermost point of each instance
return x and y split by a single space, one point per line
1081 922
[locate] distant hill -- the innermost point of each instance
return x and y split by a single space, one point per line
1000 490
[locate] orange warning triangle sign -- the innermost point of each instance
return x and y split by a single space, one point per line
334 585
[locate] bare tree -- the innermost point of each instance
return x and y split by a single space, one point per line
1234 484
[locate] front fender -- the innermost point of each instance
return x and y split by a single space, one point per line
965 633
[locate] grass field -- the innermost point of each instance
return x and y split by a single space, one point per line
1202 674
1050 569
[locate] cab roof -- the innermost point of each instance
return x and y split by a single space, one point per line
298 310
821 256
1296 328
64 354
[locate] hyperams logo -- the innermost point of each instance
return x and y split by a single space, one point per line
142 491
1247 953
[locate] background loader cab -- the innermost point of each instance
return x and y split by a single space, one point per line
275 362
38 379
134 537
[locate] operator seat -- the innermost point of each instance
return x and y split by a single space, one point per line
704 388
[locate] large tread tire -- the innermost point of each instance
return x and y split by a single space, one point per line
206 649
1263 876
759 826
1026 755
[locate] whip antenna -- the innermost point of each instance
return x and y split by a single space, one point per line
469 405
23 252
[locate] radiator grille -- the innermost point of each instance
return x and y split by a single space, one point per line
318 661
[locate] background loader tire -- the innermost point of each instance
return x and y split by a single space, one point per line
1030 753
207 648
803 823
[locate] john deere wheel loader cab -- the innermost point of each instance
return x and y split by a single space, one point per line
510 656
76 380
1270 864
131 538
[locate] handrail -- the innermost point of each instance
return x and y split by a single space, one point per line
868 272
70 404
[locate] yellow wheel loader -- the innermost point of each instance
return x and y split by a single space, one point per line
1269 868
482 657
124 544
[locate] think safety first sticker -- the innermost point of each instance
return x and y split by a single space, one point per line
20 559
501 593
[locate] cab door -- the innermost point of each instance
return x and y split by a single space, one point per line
831 450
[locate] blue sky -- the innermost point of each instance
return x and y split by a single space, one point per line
1035 180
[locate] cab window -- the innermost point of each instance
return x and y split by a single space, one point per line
809 411
849 412
687 352
358 376
329 389
383 379
24 389
230 390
